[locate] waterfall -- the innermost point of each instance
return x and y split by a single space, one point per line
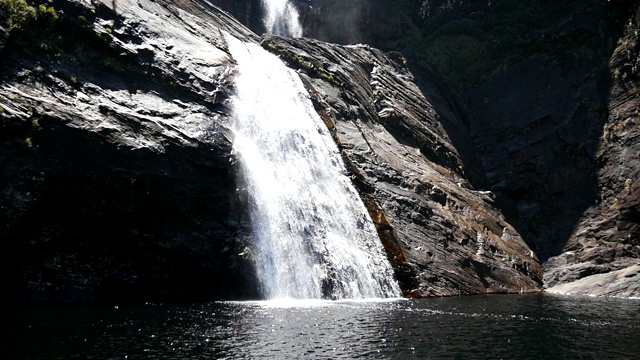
313 235
281 18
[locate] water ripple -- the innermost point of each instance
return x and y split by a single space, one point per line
491 327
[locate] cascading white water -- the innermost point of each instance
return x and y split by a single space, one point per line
314 237
281 18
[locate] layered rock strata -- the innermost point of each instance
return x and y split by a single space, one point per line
118 179
443 237
602 255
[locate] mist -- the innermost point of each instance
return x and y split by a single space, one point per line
336 21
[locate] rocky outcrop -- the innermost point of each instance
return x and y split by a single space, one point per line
442 237
602 255
541 92
538 143
116 180
545 130
538 87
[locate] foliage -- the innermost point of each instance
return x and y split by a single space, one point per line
48 12
16 13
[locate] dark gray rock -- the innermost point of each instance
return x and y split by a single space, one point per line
442 237
4 34
602 256
122 187
535 128
117 180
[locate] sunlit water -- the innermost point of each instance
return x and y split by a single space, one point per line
314 237
281 18
479 327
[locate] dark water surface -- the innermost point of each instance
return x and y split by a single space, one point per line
530 326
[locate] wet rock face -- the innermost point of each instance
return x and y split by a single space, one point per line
118 184
539 129
116 181
442 237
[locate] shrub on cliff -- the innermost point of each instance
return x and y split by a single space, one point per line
15 13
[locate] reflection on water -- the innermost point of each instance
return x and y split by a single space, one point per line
491 327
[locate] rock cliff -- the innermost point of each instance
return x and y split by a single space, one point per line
443 238
602 254
543 89
118 180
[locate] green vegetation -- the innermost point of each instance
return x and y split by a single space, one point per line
29 24
301 62
44 34
16 13
629 50
48 12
